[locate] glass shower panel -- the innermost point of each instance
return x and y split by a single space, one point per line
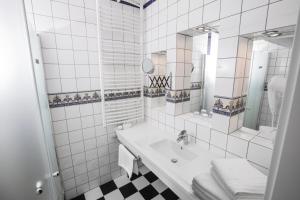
256 89
57 190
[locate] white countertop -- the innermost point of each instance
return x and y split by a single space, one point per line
179 178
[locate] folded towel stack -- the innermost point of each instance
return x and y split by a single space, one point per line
229 179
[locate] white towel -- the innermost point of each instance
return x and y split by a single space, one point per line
205 187
239 179
127 161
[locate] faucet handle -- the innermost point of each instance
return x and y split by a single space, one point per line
183 132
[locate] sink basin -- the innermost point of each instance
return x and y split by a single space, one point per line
173 152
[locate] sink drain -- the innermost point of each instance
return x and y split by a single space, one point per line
174 160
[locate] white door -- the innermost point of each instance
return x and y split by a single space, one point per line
24 163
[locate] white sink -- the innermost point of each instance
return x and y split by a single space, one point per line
173 152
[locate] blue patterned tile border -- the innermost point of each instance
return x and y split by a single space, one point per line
148 3
229 106
154 92
73 98
127 3
196 85
177 96
116 95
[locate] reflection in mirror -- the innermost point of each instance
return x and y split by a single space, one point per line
268 72
204 60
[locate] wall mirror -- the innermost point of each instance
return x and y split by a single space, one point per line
147 66
203 73
268 71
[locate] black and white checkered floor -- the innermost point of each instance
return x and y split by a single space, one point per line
144 186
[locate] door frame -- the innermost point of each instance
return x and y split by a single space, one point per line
284 179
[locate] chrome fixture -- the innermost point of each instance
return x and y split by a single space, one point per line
183 136
39 187
203 29
272 33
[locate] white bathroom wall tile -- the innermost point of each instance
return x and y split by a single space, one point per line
65 163
230 7
231 155
51 71
67 71
79 3
77 147
218 151
77 13
53 85
58 113
241 119
61 139
78 28
42 7
183 7
266 142
254 20
83 84
162 5
72 111
233 123
242 47
259 154
64 41
220 122
172 12
218 139
224 87
68 85
240 67
65 57
195 17
81 57
79 43
282 13
203 133
195 4
191 128
180 41
60 10
86 109
63 151
211 12
226 67
90 16
180 55
47 40
74 124
88 133
250 4
59 126
179 123
75 136
229 26
238 87
49 56
62 26
228 47
245 86
87 121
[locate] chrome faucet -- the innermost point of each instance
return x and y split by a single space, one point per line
183 136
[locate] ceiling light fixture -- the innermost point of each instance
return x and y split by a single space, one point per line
272 33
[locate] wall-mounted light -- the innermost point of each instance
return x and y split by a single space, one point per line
272 33
203 29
